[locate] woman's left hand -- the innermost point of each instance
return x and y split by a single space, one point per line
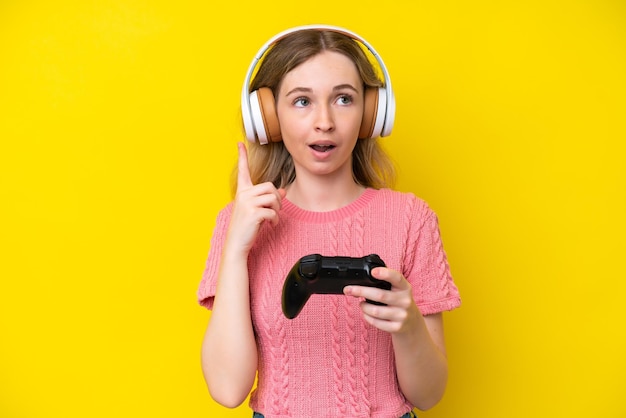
400 313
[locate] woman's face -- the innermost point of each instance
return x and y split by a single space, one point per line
320 107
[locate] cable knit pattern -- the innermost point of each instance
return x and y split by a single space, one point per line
337 363
361 364
328 362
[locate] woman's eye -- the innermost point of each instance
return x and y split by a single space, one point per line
344 99
301 102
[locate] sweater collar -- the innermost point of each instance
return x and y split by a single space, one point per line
292 211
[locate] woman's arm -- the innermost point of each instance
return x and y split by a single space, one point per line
418 341
421 361
229 351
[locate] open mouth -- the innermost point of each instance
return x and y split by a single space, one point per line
322 148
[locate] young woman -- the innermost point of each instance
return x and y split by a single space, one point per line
321 185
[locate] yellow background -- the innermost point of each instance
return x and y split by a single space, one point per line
118 124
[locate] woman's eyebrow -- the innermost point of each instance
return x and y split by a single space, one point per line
345 86
299 90
309 90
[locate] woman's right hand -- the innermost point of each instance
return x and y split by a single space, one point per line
253 205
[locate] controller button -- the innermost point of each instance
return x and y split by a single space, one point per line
308 269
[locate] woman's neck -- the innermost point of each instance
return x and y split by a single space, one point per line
323 194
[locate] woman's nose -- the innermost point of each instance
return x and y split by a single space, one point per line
324 120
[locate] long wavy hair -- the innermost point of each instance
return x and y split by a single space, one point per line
371 166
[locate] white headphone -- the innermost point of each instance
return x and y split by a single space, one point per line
258 109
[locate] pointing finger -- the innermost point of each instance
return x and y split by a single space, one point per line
243 170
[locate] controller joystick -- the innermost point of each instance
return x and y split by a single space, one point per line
315 273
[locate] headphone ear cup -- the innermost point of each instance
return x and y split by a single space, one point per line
265 119
370 108
374 112
269 117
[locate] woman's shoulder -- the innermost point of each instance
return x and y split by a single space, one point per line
410 201
224 213
228 207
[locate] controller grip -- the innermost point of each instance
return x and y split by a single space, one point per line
294 296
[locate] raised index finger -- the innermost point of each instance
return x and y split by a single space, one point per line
243 171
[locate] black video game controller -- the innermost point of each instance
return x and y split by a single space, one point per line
315 273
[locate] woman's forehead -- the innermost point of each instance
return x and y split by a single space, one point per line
323 68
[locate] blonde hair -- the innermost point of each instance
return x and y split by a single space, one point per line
371 166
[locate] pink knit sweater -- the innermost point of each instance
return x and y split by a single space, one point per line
328 362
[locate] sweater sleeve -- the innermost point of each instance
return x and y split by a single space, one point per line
208 284
426 263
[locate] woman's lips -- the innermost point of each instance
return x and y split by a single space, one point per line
322 148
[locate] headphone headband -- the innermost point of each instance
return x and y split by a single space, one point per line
248 109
